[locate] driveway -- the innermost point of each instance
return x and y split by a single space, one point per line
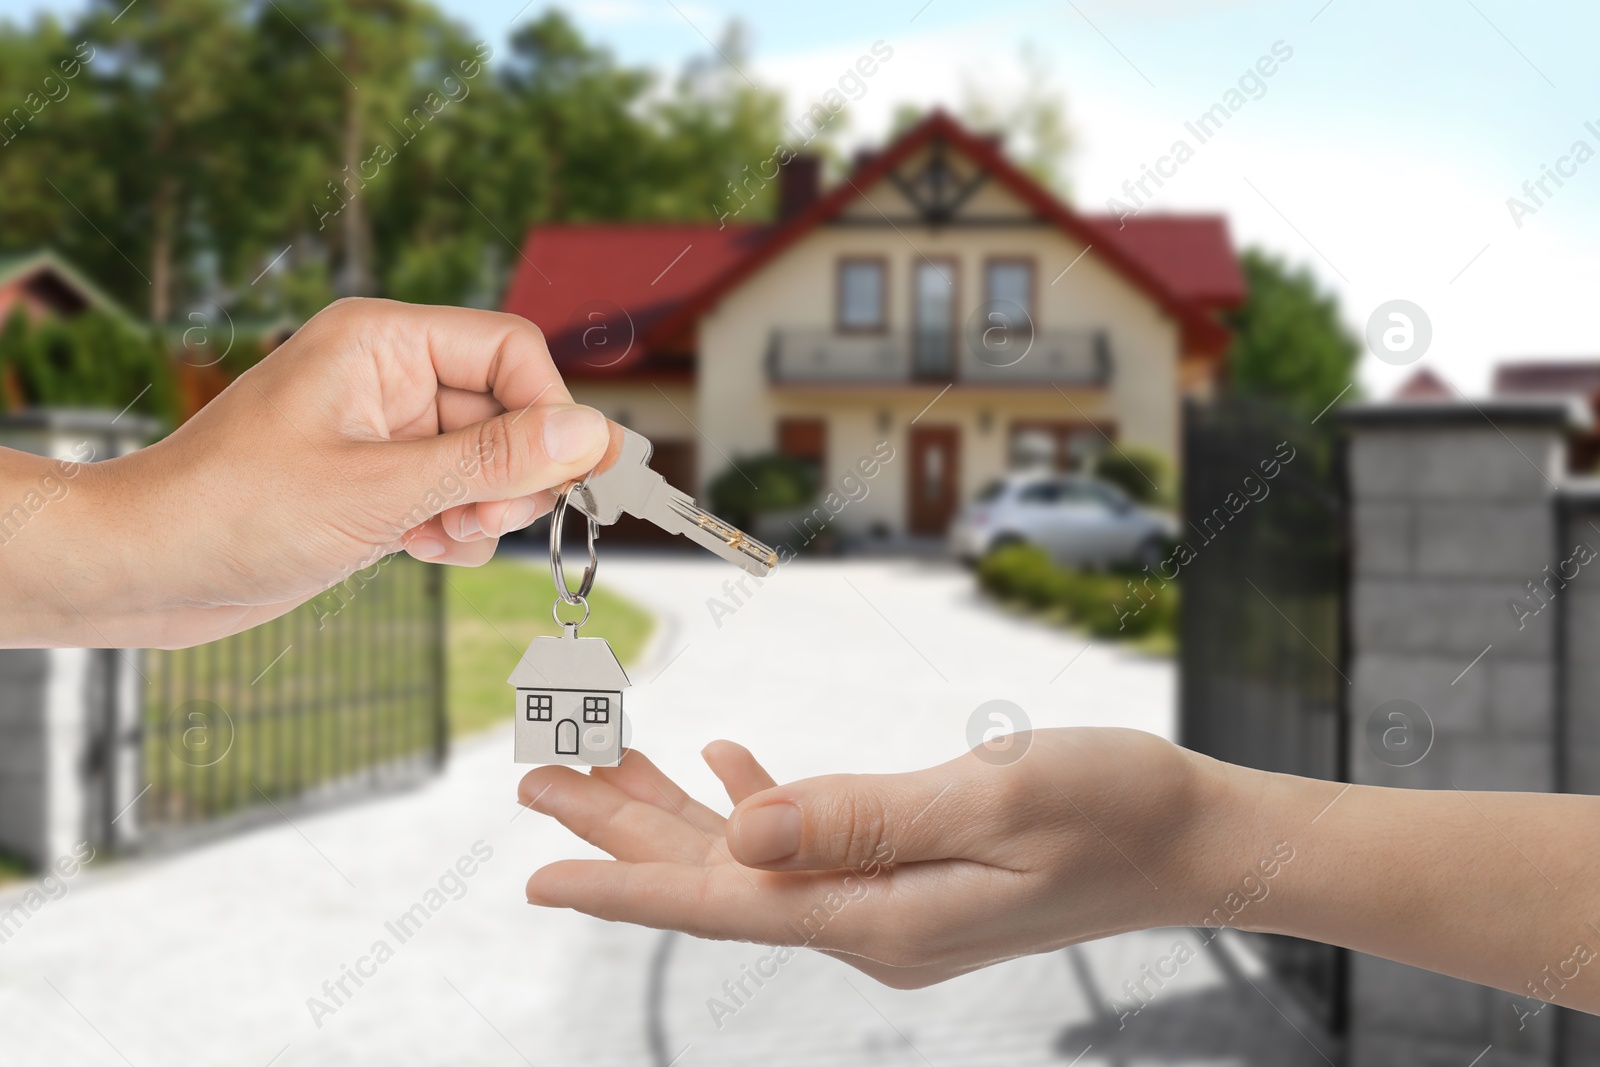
395 932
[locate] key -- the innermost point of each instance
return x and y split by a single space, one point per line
629 485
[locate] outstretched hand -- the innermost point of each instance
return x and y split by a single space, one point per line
912 878
378 426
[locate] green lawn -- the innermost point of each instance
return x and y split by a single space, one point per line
493 612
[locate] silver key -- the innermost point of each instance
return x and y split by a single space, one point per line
629 485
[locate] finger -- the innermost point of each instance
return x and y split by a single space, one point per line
495 518
468 349
724 902
644 781
611 820
737 769
431 544
853 820
455 408
519 453
501 517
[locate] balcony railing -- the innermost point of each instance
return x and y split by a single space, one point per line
827 357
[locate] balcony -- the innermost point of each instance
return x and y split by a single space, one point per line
827 357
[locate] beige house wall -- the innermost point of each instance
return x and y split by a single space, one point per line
643 408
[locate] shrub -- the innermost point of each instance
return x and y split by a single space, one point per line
1021 573
90 361
1133 469
756 485
1104 604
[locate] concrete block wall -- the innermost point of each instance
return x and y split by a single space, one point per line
1455 509
69 717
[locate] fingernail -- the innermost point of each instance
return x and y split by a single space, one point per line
470 526
573 433
425 548
768 834
519 513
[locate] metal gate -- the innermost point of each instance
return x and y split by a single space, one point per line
1263 645
342 696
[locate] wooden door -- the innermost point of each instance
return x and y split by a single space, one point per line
935 479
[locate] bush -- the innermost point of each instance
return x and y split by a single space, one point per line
91 361
757 485
1106 605
1022 573
1133 469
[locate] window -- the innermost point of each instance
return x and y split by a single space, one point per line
539 707
861 295
1040 493
1060 446
596 709
1010 281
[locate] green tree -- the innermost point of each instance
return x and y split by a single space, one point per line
1290 346
1033 119
162 101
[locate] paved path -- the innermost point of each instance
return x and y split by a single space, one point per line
210 957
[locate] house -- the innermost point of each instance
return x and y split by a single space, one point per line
1561 379
937 313
569 702
1423 385
42 283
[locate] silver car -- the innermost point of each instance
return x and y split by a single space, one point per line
1080 521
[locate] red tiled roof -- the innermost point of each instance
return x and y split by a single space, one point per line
647 269
1579 377
1423 385
1192 254
1186 263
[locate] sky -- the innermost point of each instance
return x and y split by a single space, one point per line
1381 152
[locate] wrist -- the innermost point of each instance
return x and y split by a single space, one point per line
1232 852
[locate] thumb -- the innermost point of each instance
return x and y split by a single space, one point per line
846 820
516 454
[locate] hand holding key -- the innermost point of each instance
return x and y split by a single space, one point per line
378 426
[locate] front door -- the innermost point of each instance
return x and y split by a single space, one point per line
933 301
935 478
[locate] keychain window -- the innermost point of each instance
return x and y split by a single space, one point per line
539 707
596 709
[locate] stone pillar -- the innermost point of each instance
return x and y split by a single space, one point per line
1578 696
1454 511
69 717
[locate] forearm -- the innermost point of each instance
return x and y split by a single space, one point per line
54 564
1496 888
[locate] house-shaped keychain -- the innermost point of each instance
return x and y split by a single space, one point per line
569 701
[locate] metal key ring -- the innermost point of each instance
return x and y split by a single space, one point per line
557 515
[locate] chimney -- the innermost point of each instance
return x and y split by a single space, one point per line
799 184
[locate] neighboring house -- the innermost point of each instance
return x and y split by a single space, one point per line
1562 379
42 283
1423 385
569 702
883 317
